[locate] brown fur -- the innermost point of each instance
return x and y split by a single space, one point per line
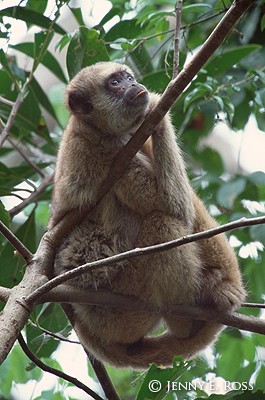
152 204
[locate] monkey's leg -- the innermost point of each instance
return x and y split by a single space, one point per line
222 282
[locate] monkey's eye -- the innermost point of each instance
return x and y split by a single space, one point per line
130 78
114 82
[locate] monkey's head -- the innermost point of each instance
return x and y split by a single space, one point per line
107 96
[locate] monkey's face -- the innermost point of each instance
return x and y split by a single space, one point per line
108 96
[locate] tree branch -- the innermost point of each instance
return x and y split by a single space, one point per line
12 115
56 372
33 297
6 101
33 197
109 299
16 243
177 39
4 293
26 158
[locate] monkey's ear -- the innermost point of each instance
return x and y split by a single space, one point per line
78 102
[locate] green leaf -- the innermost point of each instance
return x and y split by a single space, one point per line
262 23
49 61
257 232
197 8
77 13
113 12
27 233
41 43
155 384
229 108
128 29
85 49
228 58
31 17
4 215
14 370
229 191
42 98
39 6
257 178
4 62
199 93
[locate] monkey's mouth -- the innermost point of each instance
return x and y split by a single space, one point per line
136 95
139 94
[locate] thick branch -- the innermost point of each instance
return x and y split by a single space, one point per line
109 299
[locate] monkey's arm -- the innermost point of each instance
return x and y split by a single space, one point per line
162 187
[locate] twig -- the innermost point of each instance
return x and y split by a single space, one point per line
34 296
177 39
12 115
16 243
26 158
6 101
56 372
33 197
253 305
57 336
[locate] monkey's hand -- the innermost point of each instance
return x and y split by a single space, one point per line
227 293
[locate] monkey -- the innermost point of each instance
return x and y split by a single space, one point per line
152 203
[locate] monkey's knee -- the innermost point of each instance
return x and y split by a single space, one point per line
158 227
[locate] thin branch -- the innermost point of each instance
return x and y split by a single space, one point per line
12 115
26 158
34 296
16 243
6 101
56 372
56 336
33 197
177 39
253 305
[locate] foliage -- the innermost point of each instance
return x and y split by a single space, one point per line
229 87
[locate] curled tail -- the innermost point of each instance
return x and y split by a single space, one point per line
148 350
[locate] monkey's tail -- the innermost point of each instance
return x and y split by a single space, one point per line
148 350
